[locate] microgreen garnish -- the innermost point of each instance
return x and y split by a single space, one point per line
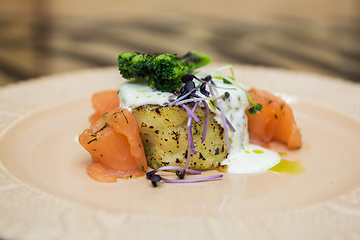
192 114
207 113
255 108
226 81
142 167
156 178
212 104
224 122
219 75
181 174
224 96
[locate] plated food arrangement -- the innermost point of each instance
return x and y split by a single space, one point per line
49 173
170 117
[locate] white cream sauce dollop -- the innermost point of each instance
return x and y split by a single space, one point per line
133 94
243 157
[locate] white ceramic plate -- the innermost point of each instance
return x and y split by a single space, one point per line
46 193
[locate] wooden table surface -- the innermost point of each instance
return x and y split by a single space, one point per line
40 39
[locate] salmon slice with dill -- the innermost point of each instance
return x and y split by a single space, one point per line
115 146
275 122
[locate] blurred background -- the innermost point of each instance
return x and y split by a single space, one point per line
42 37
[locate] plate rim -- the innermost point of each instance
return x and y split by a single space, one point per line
54 79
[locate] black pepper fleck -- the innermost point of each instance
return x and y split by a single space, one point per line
216 150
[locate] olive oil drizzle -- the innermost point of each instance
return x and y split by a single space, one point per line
288 167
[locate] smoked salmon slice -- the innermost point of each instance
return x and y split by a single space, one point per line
115 146
275 122
103 102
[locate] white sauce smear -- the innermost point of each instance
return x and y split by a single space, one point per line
251 159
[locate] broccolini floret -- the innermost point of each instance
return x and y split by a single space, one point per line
163 71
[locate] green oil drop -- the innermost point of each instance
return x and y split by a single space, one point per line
288 167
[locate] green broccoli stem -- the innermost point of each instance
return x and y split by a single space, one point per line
163 71
194 60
